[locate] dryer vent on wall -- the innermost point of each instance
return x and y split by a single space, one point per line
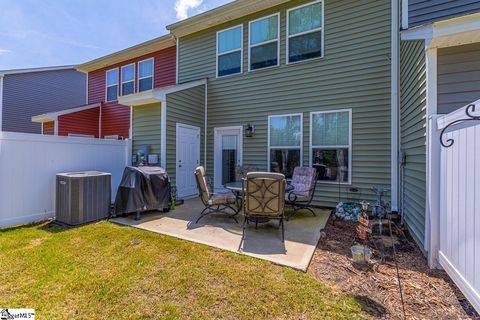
82 197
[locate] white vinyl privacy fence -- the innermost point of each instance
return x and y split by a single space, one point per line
29 162
453 214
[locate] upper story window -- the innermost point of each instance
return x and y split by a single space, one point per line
229 51
285 143
263 42
305 32
112 85
145 75
128 79
331 146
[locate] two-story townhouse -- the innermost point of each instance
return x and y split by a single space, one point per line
28 92
287 83
440 72
140 68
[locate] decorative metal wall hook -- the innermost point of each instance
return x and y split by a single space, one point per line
469 112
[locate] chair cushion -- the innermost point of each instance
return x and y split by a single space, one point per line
222 198
202 183
303 180
265 194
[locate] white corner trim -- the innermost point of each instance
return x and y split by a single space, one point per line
1 100
163 135
394 103
205 128
55 127
177 52
431 210
404 14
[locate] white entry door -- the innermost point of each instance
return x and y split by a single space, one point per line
188 158
228 147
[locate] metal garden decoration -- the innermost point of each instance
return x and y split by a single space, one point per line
470 116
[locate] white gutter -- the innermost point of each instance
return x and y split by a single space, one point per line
157 94
394 104
41 69
1 100
52 116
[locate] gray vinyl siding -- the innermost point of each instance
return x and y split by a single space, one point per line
146 127
186 107
34 93
427 11
458 77
354 73
413 135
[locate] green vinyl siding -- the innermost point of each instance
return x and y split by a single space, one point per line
186 107
354 74
413 135
146 127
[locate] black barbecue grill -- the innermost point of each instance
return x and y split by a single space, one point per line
142 189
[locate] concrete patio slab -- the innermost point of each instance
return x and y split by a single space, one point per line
302 233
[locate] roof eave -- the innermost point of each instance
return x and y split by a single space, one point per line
141 49
220 15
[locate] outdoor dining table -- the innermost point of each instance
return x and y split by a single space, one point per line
239 187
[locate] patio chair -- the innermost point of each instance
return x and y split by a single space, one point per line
304 181
214 202
264 199
241 171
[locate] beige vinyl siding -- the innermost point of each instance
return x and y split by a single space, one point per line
354 74
413 135
146 127
187 107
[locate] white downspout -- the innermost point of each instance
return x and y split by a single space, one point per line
205 127
394 103
163 134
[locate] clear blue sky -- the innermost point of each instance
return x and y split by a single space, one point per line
37 33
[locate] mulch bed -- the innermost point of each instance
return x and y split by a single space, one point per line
428 294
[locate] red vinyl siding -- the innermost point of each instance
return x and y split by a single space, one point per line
116 117
81 122
49 127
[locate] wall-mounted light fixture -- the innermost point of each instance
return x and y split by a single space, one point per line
249 130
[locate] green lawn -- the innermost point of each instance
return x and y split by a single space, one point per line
105 271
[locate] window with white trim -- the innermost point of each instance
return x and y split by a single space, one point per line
111 85
128 79
263 42
229 51
305 32
285 143
145 75
330 143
